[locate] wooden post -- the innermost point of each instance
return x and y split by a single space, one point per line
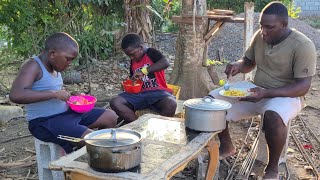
213 149
248 30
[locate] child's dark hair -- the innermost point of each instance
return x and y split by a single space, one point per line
131 40
59 40
276 8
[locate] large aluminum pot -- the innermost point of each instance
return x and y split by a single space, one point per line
206 114
114 156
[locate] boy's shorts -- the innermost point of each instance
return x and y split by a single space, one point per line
68 123
286 107
145 100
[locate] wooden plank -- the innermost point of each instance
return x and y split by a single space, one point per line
208 37
230 20
180 168
189 20
248 31
209 16
213 149
212 30
220 11
225 18
83 171
185 155
65 160
213 34
205 50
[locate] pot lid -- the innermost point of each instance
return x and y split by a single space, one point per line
114 137
207 103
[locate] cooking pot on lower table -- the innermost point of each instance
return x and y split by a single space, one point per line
206 114
114 156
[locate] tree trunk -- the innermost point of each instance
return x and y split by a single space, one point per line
188 71
138 19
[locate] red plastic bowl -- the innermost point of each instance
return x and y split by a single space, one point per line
131 87
82 104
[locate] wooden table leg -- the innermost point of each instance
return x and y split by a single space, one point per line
180 168
213 149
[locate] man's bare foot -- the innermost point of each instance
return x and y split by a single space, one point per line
225 151
271 174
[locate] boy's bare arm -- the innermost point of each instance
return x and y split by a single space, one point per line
21 91
162 64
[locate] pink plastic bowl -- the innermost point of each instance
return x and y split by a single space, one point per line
82 108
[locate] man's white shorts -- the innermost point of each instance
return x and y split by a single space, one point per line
286 107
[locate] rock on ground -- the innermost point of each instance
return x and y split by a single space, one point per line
9 112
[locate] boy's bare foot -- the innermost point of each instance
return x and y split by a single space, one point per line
225 151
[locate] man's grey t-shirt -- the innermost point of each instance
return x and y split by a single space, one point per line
279 65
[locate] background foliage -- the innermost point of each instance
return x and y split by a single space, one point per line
24 24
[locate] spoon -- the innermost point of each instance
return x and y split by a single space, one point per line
226 86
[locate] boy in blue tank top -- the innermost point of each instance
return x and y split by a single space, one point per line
39 86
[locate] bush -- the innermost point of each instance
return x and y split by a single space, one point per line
91 22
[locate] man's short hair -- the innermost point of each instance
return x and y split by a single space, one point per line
58 41
131 40
276 8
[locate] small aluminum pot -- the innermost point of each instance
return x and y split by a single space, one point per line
109 156
206 114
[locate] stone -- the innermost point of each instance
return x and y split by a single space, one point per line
9 112
4 101
94 85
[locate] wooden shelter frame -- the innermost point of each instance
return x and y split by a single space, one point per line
221 17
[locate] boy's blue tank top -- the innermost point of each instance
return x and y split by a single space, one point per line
48 107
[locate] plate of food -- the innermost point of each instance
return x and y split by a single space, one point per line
235 92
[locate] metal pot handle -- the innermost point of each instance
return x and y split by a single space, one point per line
208 99
113 135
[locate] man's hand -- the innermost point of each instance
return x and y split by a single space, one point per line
138 75
232 69
63 95
258 93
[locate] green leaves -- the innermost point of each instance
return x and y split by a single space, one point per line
154 11
24 24
293 11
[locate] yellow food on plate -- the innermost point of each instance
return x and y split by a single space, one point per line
234 92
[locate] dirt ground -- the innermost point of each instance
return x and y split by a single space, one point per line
17 152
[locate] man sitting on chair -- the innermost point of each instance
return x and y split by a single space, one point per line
286 61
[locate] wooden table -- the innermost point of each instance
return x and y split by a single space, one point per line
167 148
